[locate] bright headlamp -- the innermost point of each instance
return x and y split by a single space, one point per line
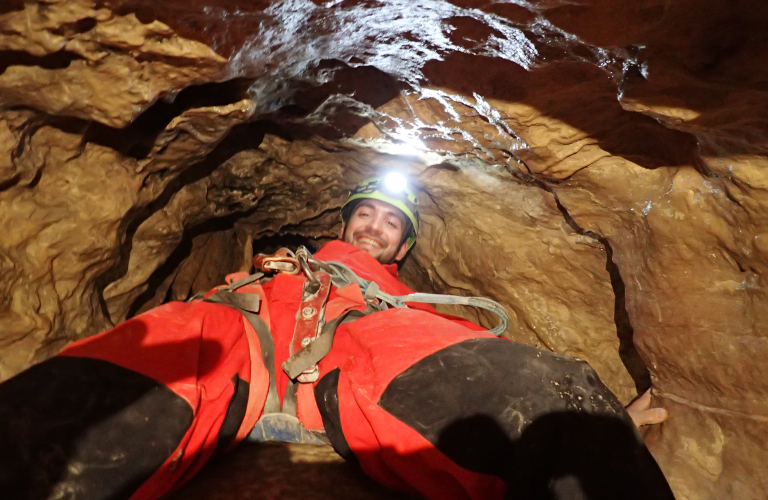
395 183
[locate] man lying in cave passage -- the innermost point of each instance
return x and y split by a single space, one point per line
424 402
387 234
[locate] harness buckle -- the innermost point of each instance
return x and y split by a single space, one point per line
310 318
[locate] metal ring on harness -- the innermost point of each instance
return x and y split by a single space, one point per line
304 266
286 265
284 261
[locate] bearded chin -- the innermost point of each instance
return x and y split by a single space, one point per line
384 257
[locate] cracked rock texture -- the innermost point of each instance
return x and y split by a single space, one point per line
599 168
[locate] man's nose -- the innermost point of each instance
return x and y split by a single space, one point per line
375 225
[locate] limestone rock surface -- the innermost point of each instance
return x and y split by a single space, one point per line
599 168
71 58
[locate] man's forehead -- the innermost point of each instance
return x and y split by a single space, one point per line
381 205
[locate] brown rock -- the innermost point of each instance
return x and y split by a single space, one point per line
601 171
285 472
132 64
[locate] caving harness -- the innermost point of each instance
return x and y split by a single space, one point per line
313 335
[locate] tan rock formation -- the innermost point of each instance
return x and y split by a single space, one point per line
107 68
598 168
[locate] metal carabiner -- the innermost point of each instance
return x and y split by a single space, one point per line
302 257
282 264
321 265
283 260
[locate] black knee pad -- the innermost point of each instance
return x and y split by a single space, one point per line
542 422
85 429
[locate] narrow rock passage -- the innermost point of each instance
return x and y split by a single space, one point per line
144 147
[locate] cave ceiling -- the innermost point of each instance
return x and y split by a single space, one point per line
598 167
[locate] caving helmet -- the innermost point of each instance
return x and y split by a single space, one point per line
394 189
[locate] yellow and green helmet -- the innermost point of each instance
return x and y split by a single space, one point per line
392 188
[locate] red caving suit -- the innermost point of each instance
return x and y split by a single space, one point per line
424 402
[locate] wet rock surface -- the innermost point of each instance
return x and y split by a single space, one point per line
286 472
597 168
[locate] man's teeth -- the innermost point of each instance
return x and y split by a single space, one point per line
370 241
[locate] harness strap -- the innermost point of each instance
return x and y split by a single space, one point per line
282 424
342 275
243 281
479 302
275 424
290 400
247 280
241 301
319 347
272 403
309 356
265 338
371 291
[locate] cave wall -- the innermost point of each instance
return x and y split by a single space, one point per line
598 168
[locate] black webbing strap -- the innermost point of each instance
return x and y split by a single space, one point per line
243 281
241 301
318 348
231 287
235 300
312 354
290 401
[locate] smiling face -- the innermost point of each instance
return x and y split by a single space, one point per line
377 227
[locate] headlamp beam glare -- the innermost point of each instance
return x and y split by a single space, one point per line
395 182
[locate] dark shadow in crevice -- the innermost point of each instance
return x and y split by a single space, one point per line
180 254
241 137
628 353
10 182
36 178
7 6
273 242
337 108
367 85
57 60
80 26
137 139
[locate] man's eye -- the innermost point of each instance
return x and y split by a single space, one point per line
392 224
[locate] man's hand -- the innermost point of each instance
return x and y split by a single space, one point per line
642 414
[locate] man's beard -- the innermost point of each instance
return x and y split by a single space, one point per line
386 257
